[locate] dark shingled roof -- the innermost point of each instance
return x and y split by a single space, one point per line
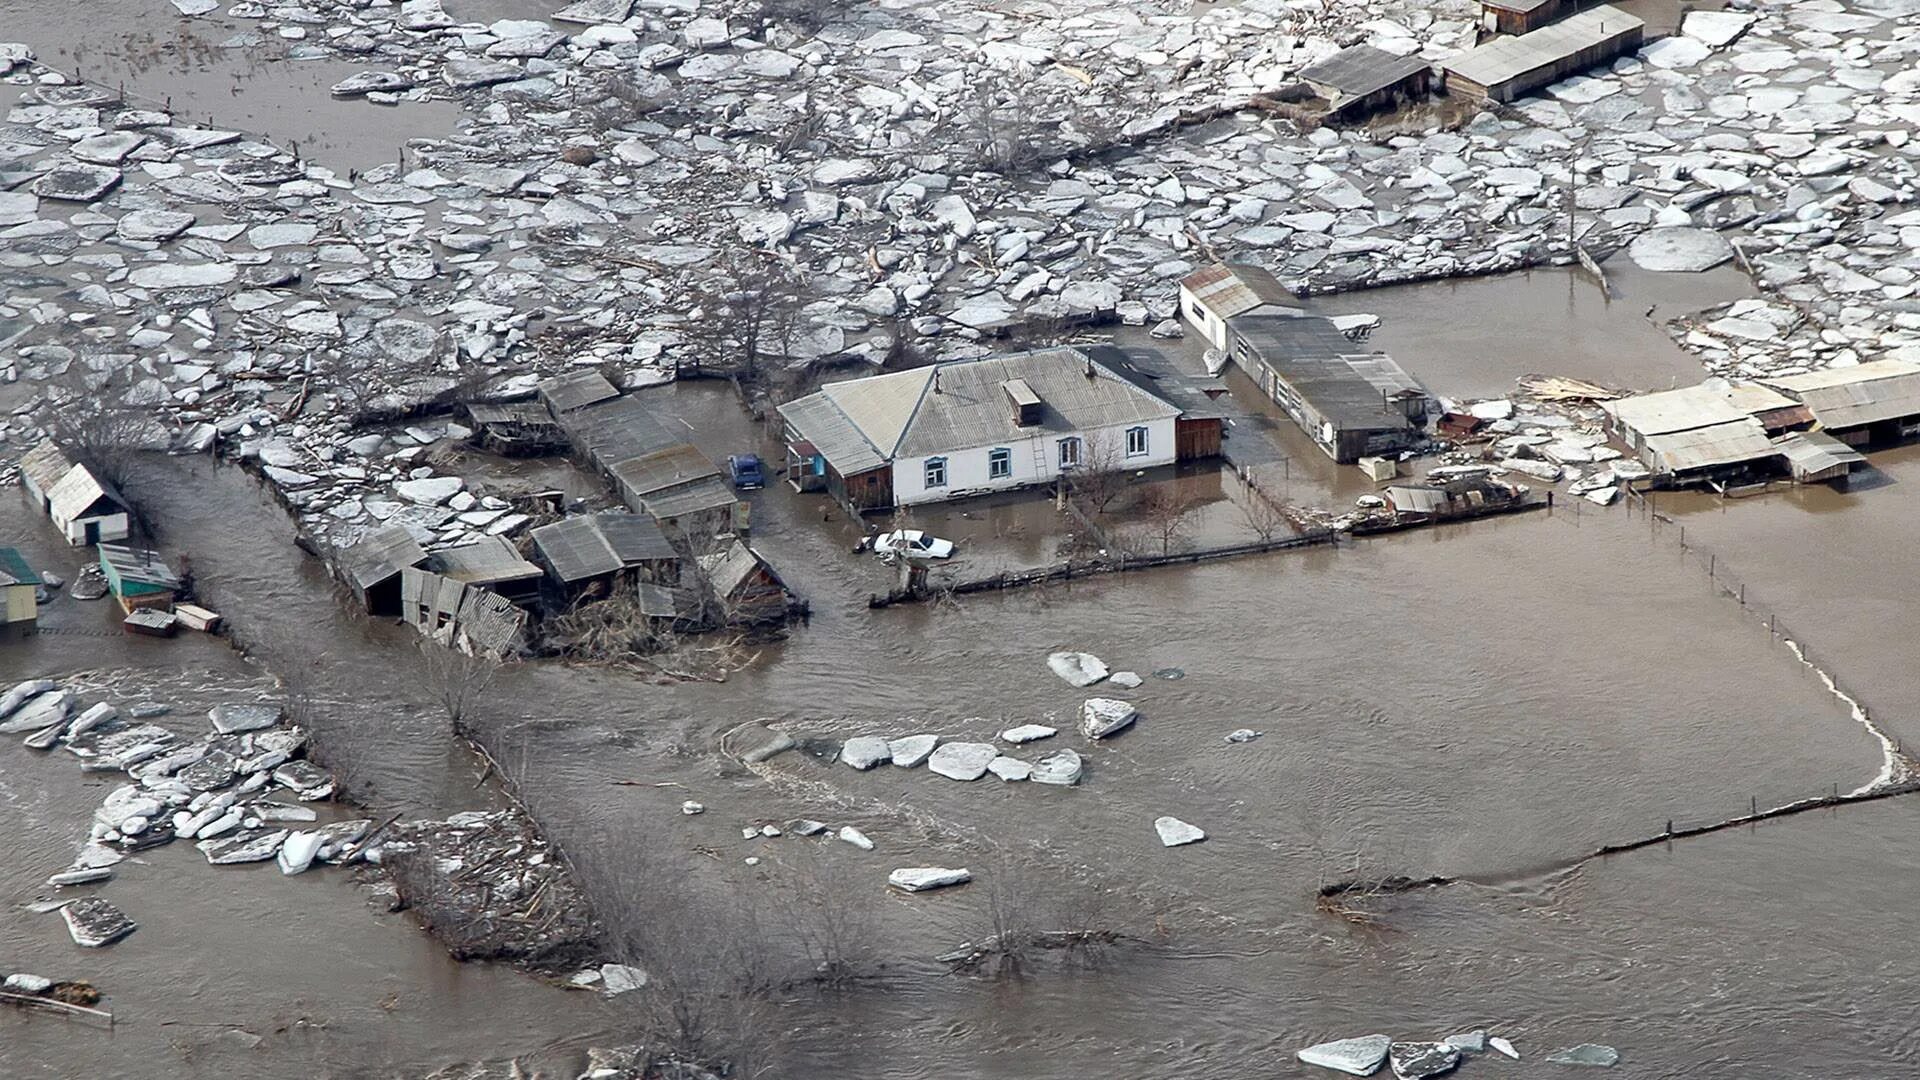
1361 70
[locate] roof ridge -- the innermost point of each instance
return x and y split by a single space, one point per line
933 376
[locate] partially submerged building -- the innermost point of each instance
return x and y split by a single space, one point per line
1815 457
1520 16
682 489
1214 294
1351 402
1693 434
747 590
972 427
1506 68
515 428
1873 402
600 550
1362 79
22 592
562 394
138 578
372 567
491 564
85 509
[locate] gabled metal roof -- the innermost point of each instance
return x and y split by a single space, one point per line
45 465
590 545
1811 452
489 561
575 390
706 493
1230 289
77 493
617 429
964 407
138 567
381 555
820 424
882 406
662 469
1361 70
1352 388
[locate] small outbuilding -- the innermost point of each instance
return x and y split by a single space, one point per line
138 578
1690 434
22 588
595 549
562 394
515 428
747 590
1816 457
1362 79
682 490
491 564
372 567
1520 16
1509 67
85 509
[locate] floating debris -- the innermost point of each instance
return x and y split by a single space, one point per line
1361 1056
915 879
94 923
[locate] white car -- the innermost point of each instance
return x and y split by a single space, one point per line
912 543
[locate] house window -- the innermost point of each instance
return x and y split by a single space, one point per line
1136 442
999 464
1070 452
936 472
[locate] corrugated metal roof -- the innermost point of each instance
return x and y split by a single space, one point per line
1863 394
579 548
140 567
617 429
1504 59
662 469
1668 411
488 561
1230 289
882 406
1362 70
1810 452
381 555
1730 443
819 422
575 390
1329 371
1194 393
707 493
1517 6
45 465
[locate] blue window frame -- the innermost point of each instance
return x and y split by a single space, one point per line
999 464
1136 442
936 472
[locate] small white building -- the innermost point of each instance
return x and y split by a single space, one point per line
84 508
1213 294
977 426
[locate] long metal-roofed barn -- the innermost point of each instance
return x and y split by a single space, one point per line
1351 402
1506 68
1858 404
1360 79
1213 294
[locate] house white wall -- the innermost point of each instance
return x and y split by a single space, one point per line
113 526
1203 319
967 470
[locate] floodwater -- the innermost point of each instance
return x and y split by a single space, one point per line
237 970
198 69
1472 337
1486 700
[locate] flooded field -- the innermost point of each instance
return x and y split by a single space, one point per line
1484 701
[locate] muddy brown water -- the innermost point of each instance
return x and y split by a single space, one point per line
1484 701
1472 337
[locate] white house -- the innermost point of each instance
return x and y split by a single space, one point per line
1213 294
976 426
84 508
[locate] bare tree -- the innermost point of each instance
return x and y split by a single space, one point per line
92 422
803 17
748 313
830 913
1167 516
1264 517
1100 478
457 680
